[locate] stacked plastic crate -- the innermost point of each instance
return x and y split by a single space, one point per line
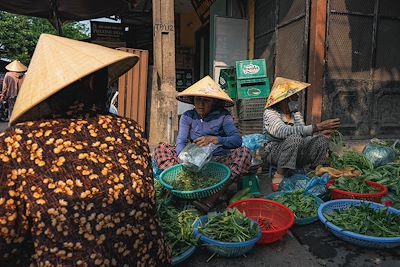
252 90
249 85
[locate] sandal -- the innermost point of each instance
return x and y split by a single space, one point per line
276 181
202 206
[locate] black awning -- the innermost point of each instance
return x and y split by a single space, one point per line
68 9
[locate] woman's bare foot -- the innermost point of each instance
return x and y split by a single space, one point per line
276 181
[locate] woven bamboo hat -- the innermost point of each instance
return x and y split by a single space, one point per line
16 66
206 87
59 62
283 88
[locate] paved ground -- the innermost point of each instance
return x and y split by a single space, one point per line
310 245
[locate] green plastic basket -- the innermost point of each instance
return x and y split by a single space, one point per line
211 169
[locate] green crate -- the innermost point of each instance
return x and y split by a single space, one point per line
231 89
250 69
253 88
227 81
253 182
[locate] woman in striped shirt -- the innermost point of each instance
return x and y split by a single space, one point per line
292 144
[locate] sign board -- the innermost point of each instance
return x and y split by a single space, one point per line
107 32
202 8
184 79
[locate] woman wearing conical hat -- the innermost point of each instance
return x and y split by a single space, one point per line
292 144
75 185
208 123
12 83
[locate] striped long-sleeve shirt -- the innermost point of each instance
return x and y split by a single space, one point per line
276 128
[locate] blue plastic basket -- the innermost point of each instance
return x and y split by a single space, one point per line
357 239
156 170
211 169
300 221
184 256
225 249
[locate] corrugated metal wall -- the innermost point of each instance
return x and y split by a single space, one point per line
132 88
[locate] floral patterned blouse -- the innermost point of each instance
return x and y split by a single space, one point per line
78 192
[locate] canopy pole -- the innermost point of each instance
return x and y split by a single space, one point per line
55 20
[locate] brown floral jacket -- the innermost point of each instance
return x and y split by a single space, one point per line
78 192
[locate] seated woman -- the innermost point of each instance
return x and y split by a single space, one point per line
292 144
208 123
75 184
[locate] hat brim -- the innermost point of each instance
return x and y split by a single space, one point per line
16 66
284 88
190 100
59 62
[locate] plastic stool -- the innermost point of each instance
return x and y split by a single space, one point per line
252 181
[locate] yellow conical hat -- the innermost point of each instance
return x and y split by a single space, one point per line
283 88
206 87
16 66
58 62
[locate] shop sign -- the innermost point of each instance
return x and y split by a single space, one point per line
107 32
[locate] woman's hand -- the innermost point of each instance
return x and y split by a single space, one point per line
331 124
206 140
327 133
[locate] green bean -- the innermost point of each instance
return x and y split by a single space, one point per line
301 205
351 159
177 225
230 226
189 181
366 221
354 185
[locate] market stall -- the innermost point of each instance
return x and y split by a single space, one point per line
353 202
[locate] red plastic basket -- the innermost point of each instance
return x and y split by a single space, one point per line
376 197
279 217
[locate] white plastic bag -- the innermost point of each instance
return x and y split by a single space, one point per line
194 157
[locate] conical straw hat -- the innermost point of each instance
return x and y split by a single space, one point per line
283 88
16 66
206 87
58 62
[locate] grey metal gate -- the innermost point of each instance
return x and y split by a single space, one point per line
362 67
281 36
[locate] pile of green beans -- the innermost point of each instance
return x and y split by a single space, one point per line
189 181
366 221
354 185
301 205
351 159
387 175
178 226
231 226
